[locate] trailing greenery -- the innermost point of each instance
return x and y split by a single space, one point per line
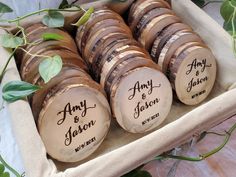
51 65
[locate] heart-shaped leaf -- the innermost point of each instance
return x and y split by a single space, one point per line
53 19
4 8
10 41
52 36
16 90
85 17
5 174
226 10
2 169
50 67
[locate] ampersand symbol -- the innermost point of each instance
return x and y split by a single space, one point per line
197 73
76 119
143 96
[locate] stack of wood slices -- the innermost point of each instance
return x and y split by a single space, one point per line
71 110
180 52
140 95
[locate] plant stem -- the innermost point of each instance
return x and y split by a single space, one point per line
202 156
37 12
9 168
8 61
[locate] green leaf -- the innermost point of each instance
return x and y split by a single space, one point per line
64 4
16 90
10 41
199 3
2 169
4 8
5 174
52 36
226 10
85 17
50 67
53 19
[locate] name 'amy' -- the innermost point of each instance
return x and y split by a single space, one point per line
68 110
141 87
196 65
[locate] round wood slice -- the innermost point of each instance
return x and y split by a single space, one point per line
142 11
139 3
103 49
154 27
97 16
74 120
111 62
95 39
39 96
145 19
114 50
193 73
173 44
164 36
141 100
127 65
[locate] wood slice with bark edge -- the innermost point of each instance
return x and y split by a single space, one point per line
106 42
143 10
171 76
139 3
144 20
164 36
99 15
114 50
201 81
39 96
125 66
95 40
74 91
30 68
111 62
42 48
154 27
97 62
157 97
173 44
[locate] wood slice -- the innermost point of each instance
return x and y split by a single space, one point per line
154 27
95 40
110 64
173 44
193 73
141 99
145 19
164 36
139 4
103 49
99 15
74 120
143 10
125 66
39 97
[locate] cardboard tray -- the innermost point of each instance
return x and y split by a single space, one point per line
122 151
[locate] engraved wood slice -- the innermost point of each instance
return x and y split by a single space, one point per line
193 74
40 95
141 99
74 120
173 44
